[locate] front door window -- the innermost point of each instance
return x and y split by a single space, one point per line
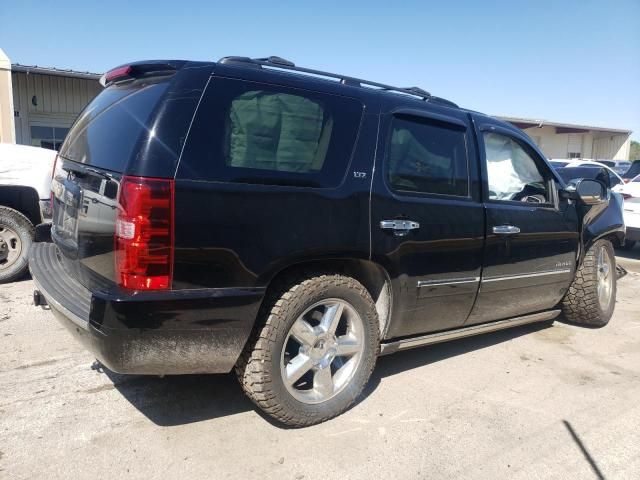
512 174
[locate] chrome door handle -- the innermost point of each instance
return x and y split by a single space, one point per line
400 227
506 230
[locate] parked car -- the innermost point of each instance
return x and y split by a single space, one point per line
295 224
25 178
632 189
632 221
618 166
559 163
615 181
634 171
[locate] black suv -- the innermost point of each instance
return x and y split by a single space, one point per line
295 224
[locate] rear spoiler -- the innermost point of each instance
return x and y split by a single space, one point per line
142 69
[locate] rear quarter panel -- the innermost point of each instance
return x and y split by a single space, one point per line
242 234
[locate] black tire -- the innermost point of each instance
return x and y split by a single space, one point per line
582 305
259 367
18 223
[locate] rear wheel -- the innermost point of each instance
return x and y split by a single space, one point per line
16 237
592 295
314 351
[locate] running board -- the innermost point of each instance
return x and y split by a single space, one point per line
394 346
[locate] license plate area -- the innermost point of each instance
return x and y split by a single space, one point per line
68 200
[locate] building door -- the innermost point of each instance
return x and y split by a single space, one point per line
574 146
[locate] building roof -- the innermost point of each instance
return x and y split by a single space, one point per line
560 127
16 67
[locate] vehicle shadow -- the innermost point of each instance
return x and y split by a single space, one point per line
183 399
407 360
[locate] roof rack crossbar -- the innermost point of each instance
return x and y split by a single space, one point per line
281 63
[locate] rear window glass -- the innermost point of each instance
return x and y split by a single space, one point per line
276 131
107 131
250 132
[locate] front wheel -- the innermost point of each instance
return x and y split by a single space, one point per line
591 297
314 352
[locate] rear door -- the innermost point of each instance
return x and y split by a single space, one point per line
532 234
427 221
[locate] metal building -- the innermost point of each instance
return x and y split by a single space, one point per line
38 105
566 140
46 101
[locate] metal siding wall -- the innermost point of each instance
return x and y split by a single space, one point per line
611 147
59 100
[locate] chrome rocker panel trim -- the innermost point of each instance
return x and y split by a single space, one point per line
394 346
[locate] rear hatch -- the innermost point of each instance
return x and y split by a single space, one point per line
112 189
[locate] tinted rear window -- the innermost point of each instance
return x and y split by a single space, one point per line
248 132
106 133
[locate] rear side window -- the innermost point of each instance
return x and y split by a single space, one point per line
106 133
427 157
248 132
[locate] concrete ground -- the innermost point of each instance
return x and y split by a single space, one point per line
533 402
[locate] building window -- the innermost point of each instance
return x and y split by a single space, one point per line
48 137
574 154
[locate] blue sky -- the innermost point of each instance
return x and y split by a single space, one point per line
571 61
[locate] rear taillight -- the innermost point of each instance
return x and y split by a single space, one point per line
144 233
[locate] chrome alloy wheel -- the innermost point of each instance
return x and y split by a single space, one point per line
10 247
322 351
605 278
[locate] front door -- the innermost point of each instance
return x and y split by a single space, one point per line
532 234
427 219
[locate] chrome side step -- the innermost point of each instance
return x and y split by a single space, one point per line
394 346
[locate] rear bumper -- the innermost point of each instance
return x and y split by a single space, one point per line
175 332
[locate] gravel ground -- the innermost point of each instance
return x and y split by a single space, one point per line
532 402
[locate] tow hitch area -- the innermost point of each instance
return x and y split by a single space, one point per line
38 299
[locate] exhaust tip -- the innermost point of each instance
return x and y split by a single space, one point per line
38 299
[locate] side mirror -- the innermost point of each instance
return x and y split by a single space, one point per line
591 192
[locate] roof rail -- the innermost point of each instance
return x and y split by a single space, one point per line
281 63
